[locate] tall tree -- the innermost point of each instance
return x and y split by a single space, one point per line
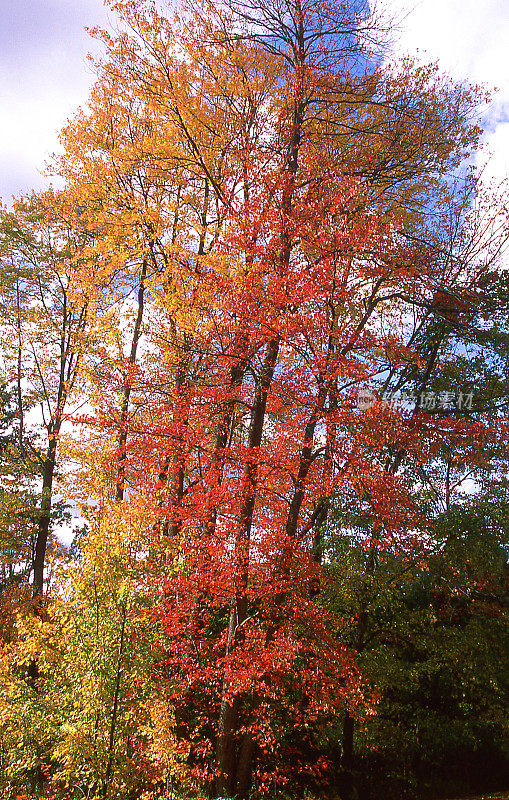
319 250
44 327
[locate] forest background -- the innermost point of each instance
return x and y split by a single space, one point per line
259 340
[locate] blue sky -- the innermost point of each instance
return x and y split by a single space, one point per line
44 73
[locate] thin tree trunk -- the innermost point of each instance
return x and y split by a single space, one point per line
229 715
173 472
245 766
234 765
44 515
114 709
122 439
347 741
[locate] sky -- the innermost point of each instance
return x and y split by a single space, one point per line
45 75
470 40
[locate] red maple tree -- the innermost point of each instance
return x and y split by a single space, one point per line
250 424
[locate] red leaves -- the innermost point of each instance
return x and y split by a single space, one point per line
302 291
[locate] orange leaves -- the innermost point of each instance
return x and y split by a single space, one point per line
259 198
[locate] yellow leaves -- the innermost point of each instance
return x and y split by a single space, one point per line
82 646
113 555
164 750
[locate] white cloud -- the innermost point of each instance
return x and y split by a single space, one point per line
44 76
497 153
469 39
28 133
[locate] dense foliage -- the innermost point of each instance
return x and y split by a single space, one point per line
259 343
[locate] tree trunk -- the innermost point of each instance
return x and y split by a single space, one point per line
234 758
229 716
122 439
45 515
244 767
114 709
347 741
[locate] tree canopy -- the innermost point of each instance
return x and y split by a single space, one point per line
259 341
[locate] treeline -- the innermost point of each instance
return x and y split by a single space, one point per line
258 347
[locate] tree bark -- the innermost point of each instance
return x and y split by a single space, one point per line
44 515
126 394
228 724
347 741
235 758
114 709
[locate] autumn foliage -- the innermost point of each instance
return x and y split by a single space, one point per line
249 191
